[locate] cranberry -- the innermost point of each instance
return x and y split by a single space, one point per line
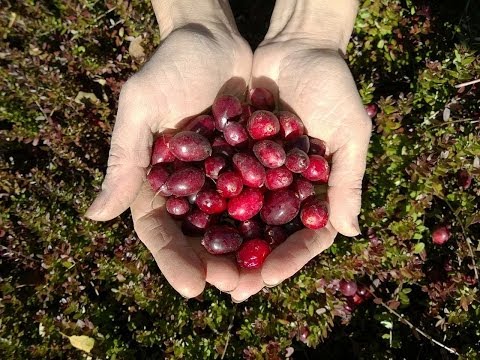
252 253
225 108
262 99
160 152
293 226
290 125
203 125
252 172
247 111
278 178
363 291
275 235
371 110
303 333
246 205
190 146
297 161
185 182
157 176
280 207
221 147
348 288
317 147
318 169
314 213
263 124
221 239
235 134
177 206
229 184
250 229
440 235
269 153
213 165
210 202
303 188
196 223
301 143
464 179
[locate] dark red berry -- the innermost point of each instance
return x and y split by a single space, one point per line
314 213
250 229
278 178
177 207
317 147
190 146
269 153
297 161
275 235
246 205
263 124
371 110
348 288
202 124
225 108
213 165
293 226
221 239
280 207
464 179
290 125
303 188
221 147
210 202
235 134
251 171
196 223
229 184
301 143
185 182
161 152
247 111
262 99
440 235
317 170
157 176
252 253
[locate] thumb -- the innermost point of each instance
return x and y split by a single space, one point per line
129 155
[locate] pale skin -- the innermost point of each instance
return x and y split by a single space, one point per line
300 61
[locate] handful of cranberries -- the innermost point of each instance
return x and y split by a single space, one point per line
242 177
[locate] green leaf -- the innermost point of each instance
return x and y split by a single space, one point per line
419 248
82 342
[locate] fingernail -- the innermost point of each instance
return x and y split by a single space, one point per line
237 301
272 285
356 226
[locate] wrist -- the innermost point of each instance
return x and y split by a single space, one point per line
323 23
174 14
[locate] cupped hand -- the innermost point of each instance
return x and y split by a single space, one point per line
190 68
315 83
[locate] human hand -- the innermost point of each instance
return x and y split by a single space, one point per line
202 54
300 61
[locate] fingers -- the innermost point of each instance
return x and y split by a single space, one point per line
295 252
129 156
345 182
250 283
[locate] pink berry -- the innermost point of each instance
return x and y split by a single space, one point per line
251 171
213 165
235 134
202 124
371 110
157 176
302 143
221 239
178 207
225 108
317 170
221 147
464 179
303 188
280 207
253 253
250 229
190 146
297 161
196 223
229 184
290 125
278 178
185 182
275 235
269 153
262 99
246 205
440 235
314 213
210 202
317 147
160 152
263 124
347 288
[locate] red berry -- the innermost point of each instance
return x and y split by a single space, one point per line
290 125
297 161
278 178
275 235
464 179
348 288
252 253
303 188
229 184
262 99
314 213
177 206
371 110
246 205
251 171
225 108
235 134
357 299
280 207
221 147
196 223
213 165
210 202
202 124
160 152
293 226
317 147
157 176
262 124
269 153
301 143
247 111
190 146
185 182
440 235
317 170
221 239
250 229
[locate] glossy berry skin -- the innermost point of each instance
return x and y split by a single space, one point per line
371 110
290 125
160 151
253 253
464 179
225 108
318 170
185 182
293 226
235 134
229 184
317 147
250 229
280 207
221 239
302 143
203 125
178 207
263 124
314 213
210 202
221 147
297 161
196 223
246 205
303 188
251 171
261 99
190 146
157 176
278 178
213 165
275 235
440 235
347 288
269 153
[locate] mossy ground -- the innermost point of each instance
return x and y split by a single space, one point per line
62 65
